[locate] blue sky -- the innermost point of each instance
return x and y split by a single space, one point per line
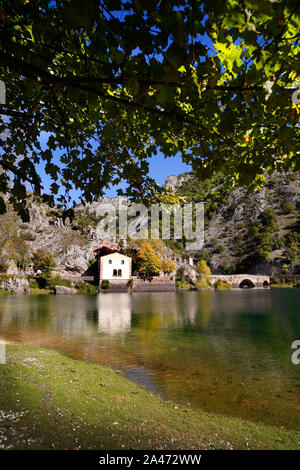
159 169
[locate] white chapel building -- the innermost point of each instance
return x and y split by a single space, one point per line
114 266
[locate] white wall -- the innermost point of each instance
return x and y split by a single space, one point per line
118 261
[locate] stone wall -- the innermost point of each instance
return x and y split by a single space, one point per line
156 284
139 285
118 285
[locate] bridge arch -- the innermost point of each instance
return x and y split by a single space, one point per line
246 284
266 283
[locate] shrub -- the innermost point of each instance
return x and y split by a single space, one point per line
229 267
271 184
203 255
168 266
202 268
43 262
279 242
285 269
204 274
53 213
180 275
202 283
59 281
5 292
287 207
91 262
264 254
29 236
20 253
85 218
180 279
3 263
7 276
33 283
292 237
86 287
291 254
268 218
80 286
222 285
293 176
46 281
43 281
105 284
182 284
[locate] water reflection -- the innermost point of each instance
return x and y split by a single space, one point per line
222 351
114 313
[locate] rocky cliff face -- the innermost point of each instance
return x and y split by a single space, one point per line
175 181
46 232
16 284
248 231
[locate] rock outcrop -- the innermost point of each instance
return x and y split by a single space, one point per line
16 284
174 181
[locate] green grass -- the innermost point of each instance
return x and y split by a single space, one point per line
38 291
49 401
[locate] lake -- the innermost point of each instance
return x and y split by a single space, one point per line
227 352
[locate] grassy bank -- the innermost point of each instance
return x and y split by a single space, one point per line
49 401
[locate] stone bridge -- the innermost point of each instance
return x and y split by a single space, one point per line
242 280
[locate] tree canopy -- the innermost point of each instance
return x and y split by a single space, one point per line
148 262
202 268
108 83
168 266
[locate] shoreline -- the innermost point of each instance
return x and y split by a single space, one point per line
54 402
4 292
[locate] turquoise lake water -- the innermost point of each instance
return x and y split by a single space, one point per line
227 352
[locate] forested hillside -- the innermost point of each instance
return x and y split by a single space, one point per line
255 231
